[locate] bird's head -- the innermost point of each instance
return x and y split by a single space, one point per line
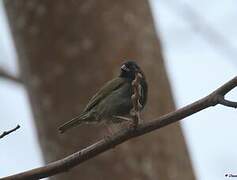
129 69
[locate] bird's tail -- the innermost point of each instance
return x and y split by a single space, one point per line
72 123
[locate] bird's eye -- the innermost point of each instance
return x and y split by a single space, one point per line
124 67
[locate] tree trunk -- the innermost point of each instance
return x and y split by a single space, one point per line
67 50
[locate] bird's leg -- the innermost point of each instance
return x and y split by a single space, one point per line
129 120
123 118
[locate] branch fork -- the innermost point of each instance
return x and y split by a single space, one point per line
218 96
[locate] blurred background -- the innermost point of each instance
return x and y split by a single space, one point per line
60 48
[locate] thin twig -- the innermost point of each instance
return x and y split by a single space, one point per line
4 74
107 143
9 132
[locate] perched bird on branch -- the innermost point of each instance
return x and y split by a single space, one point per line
113 101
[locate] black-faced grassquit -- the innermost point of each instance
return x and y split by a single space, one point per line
112 100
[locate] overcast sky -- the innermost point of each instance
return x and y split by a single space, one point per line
196 66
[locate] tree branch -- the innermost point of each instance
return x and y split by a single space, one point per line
8 76
9 132
107 143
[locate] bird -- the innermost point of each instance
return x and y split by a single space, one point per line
113 100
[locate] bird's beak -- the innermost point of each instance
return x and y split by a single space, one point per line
123 67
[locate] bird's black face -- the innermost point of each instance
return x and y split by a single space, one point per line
129 69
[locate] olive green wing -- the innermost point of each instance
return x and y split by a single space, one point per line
104 92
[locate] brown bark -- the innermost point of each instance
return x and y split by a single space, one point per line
67 50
